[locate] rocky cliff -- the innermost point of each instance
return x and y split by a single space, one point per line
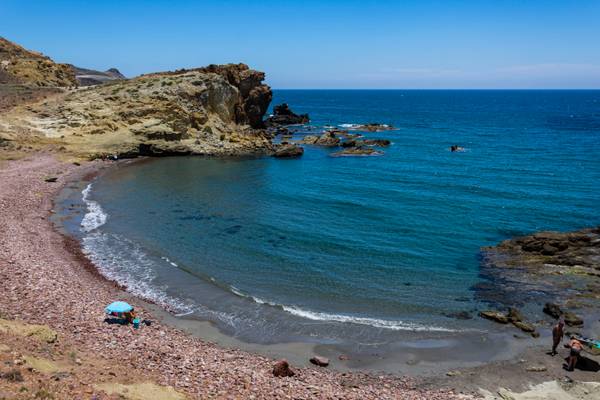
213 110
21 66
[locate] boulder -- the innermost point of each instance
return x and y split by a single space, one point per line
288 151
552 310
494 316
282 369
283 115
320 361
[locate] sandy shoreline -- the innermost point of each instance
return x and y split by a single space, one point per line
43 278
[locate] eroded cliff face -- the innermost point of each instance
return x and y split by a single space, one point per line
21 66
213 110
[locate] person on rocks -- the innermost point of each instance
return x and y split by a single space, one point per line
576 347
557 336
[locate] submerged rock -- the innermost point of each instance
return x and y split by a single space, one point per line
552 310
496 316
357 151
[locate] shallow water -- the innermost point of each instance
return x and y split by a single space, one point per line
359 249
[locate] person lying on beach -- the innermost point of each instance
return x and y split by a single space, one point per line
576 347
130 316
557 336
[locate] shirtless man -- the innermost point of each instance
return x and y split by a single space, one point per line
576 348
557 336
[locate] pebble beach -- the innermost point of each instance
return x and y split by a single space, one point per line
45 279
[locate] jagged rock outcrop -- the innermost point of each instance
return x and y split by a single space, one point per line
90 77
213 110
21 66
283 115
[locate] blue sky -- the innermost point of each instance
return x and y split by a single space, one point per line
327 44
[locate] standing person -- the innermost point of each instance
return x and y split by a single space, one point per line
557 336
576 348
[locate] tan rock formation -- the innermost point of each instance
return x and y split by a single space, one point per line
212 110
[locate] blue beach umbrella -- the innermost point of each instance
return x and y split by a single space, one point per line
118 307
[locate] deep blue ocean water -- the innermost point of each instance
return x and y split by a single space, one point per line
354 248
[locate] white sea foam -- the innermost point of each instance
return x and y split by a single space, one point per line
95 216
120 260
347 126
326 317
170 262
377 323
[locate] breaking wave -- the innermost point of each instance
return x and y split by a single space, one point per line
95 216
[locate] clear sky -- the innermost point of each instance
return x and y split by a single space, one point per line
327 44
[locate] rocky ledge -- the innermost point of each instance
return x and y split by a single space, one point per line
544 268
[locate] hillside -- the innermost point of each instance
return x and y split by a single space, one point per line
21 66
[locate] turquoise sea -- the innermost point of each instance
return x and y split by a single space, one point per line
350 248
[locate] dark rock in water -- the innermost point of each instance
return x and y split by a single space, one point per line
288 151
514 315
356 151
494 316
283 115
555 312
366 142
282 369
572 319
552 310
320 361
463 315
343 357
